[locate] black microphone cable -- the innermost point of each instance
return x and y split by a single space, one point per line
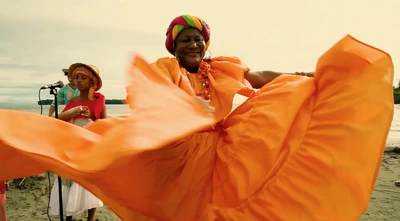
48 173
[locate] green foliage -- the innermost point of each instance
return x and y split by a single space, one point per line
45 102
115 101
396 93
108 101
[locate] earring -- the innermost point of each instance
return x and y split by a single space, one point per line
176 57
209 57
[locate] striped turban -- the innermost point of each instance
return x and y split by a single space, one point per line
182 22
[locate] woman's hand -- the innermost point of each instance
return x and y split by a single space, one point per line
73 112
84 111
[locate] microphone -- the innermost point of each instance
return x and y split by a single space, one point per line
59 84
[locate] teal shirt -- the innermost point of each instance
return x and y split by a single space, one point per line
65 94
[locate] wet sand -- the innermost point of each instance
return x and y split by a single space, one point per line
28 201
384 204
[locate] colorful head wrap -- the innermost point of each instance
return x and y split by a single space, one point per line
86 71
184 21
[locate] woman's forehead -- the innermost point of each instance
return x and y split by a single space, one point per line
187 32
81 74
89 75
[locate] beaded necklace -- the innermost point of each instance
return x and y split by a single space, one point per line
202 74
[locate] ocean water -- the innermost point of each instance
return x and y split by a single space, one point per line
112 110
393 139
122 109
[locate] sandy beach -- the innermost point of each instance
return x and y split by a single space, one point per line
384 203
28 201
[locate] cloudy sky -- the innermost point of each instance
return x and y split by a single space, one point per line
40 37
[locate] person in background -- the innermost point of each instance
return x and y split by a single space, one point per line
2 201
81 110
65 94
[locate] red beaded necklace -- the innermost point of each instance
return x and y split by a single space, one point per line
204 69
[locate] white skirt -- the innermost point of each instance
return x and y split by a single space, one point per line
76 199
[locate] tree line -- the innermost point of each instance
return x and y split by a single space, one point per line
108 101
396 93
396 96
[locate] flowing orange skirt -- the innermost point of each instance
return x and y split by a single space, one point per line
298 149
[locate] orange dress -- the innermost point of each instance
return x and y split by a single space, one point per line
298 149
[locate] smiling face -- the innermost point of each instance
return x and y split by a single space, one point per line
190 48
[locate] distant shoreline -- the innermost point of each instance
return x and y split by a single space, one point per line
108 101
396 96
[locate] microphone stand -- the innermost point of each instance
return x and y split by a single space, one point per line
53 91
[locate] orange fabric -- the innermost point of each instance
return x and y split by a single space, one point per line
226 78
297 149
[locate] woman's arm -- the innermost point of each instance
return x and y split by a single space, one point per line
60 100
103 113
72 112
258 79
52 109
88 114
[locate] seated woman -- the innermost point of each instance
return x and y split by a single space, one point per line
294 150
